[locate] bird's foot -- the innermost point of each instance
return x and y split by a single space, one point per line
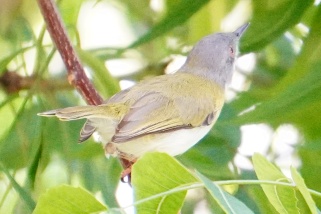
126 175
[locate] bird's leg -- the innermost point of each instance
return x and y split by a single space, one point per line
126 173
127 165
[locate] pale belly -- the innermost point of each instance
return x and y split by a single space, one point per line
172 143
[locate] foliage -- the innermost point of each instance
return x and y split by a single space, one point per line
40 161
167 185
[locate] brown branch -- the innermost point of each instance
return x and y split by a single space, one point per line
12 83
76 73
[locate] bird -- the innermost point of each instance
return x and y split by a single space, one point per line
168 113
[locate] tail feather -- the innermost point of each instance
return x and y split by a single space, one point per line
87 130
74 113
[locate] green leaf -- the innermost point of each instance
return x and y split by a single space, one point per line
309 153
257 195
272 65
70 11
298 180
222 141
283 195
266 27
156 173
24 194
6 60
102 175
35 163
23 31
108 84
201 157
62 137
309 56
68 199
208 19
20 135
297 98
178 13
282 198
228 203
299 92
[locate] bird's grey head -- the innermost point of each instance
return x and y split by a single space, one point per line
213 57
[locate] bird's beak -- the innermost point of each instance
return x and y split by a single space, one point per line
241 29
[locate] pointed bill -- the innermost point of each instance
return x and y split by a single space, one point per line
241 30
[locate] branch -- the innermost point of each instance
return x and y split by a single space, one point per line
76 73
12 83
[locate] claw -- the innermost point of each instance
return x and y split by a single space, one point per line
126 173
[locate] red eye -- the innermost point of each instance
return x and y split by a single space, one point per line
231 51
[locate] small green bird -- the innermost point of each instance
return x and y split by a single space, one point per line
168 113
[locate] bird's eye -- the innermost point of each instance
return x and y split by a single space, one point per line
231 51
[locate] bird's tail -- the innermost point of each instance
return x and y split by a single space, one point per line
75 113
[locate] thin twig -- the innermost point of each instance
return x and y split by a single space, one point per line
76 73
196 185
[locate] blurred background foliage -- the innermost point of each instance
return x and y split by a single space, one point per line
277 82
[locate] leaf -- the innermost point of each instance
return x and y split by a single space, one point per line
156 173
282 198
222 141
24 195
108 84
298 180
272 65
299 92
283 194
266 27
70 11
228 203
6 60
68 199
102 175
23 30
61 136
15 144
32 169
208 19
179 12
309 56
296 99
201 157
309 152
258 195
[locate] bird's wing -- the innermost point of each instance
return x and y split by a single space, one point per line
155 112
115 104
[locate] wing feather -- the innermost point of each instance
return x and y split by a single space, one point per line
155 109
151 118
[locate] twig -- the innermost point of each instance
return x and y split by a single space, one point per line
12 83
76 73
